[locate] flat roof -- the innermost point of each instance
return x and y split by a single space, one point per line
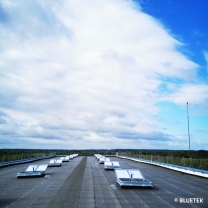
83 182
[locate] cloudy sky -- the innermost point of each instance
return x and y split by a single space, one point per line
103 74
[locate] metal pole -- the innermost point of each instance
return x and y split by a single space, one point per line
188 125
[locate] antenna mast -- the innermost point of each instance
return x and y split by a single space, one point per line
188 125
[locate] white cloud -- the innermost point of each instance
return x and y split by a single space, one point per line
196 94
180 138
206 58
85 71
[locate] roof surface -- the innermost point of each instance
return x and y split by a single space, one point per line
83 182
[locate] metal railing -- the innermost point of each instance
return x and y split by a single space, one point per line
16 158
201 164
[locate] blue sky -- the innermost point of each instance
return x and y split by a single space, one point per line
186 21
108 74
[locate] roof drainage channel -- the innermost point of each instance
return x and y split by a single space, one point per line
68 195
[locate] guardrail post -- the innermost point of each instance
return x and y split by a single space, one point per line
190 162
200 164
